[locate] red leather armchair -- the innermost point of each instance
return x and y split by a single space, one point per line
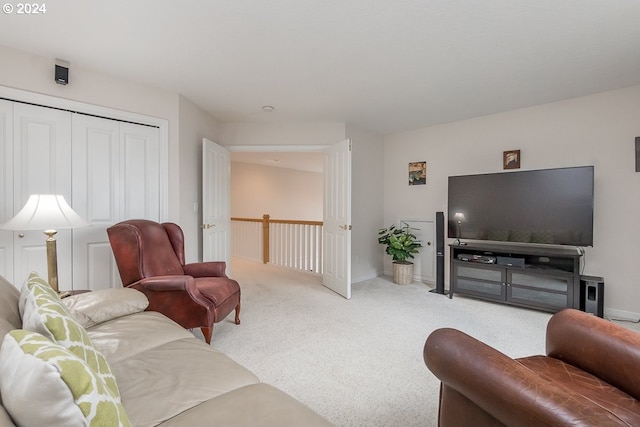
150 258
590 376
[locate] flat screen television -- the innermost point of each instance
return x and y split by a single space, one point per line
550 206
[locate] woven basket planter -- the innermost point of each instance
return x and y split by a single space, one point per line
402 273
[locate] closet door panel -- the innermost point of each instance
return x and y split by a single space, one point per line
6 188
96 195
140 171
42 165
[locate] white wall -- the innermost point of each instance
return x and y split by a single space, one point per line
282 193
195 124
367 203
594 130
321 133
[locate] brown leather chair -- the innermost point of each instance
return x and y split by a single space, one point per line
590 376
150 258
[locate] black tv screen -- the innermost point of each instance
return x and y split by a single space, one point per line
550 206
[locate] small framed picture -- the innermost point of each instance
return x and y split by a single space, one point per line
511 159
417 173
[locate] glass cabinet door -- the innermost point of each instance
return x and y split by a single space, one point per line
540 290
479 280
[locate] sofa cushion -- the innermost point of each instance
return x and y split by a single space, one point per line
256 405
127 336
43 383
93 308
175 376
43 312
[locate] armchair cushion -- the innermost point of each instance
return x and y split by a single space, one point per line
92 308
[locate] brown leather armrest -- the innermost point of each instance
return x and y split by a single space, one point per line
206 269
600 347
177 297
164 283
504 388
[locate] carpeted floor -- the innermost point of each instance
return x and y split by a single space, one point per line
359 362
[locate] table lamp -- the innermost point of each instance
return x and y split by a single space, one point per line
50 213
459 217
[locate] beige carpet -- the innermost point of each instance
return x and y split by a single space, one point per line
359 362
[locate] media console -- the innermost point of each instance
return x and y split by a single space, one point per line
544 278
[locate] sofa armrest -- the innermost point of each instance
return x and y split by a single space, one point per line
505 389
206 269
93 308
598 346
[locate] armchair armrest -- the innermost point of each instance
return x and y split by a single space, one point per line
206 269
600 347
505 389
178 297
164 283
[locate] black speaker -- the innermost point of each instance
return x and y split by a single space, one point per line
592 295
440 252
61 74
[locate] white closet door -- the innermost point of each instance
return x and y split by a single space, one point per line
96 197
42 165
116 176
6 188
140 172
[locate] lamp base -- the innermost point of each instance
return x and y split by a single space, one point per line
52 259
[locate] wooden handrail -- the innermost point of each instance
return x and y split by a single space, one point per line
246 219
279 221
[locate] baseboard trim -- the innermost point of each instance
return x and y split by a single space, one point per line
365 277
615 314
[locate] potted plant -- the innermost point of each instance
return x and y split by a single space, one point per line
402 244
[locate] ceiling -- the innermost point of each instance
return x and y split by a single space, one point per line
383 65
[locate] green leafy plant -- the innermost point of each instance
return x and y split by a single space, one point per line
400 242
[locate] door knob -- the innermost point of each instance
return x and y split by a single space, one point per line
207 226
345 227
21 235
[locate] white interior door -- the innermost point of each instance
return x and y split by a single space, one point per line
337 219
216 203
42 165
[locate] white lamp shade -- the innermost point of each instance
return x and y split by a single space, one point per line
45 212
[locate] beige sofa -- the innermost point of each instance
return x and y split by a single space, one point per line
168 377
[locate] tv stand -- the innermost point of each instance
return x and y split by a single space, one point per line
543 278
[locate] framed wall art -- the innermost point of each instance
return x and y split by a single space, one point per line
511 159
417 173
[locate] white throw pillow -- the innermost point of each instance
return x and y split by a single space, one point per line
43 312
44 384
93 308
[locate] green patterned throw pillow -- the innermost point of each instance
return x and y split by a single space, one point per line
44 384
42 311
